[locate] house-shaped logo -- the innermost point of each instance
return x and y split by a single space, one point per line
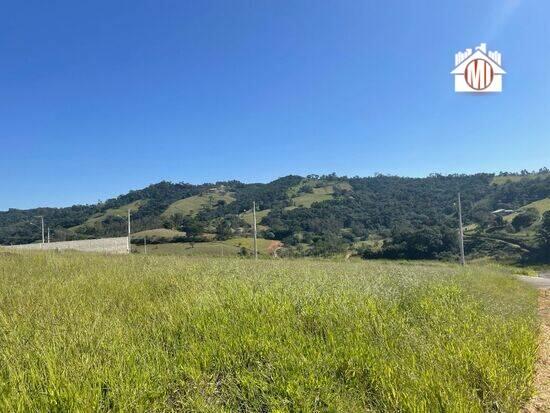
478 71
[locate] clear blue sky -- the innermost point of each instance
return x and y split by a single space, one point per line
100 97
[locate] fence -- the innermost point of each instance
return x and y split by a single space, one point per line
108 245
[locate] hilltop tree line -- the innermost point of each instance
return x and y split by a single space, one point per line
408 217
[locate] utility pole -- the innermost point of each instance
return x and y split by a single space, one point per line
48 235
462 260
255 231
145 244
129 232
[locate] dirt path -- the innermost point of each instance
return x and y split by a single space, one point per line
273 247
539 282
541 401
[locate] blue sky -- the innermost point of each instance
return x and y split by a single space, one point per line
101 97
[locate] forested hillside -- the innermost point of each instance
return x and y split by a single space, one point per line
379 216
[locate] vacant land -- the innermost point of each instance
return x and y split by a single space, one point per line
227 248
134 333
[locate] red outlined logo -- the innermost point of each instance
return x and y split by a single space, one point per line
478 70
479 74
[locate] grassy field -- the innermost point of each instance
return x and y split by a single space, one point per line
119 212
159 233
500 180
230 247
148 333
193 204
249 218
542 205
321 194
198 249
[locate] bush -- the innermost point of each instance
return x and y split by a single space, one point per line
425 243
525 219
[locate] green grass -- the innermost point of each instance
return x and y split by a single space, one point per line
159 232
248 243
542 205
321 194
198 249
158 235
149 333
230 247
249 219
120 212
500 180
193 204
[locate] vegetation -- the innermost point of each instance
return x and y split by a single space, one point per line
194 204
424 243
542 205
230 247
194 249
158 236
525 219
311 195
149 333
118 212
506 177
414 218
249 218
542 253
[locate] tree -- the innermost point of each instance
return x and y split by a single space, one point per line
543 234
191 226
525 219
174 221
424 243
328 244
223 230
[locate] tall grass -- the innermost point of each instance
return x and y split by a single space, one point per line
144 333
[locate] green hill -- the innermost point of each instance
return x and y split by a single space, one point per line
194 204
119 212
321 194
249 218
507 178
313 215
542 205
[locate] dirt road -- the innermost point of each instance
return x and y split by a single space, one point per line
541 282
541 401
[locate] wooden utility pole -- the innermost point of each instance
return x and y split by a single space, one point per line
145 244
462 260
48 235
255 231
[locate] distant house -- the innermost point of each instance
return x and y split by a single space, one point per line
503 212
